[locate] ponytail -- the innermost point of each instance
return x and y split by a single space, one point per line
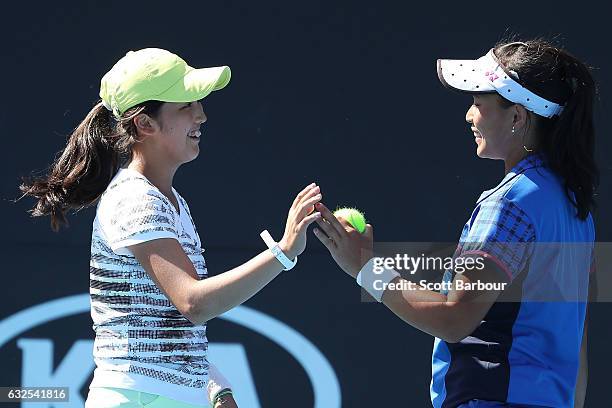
567 141
91 158
571 145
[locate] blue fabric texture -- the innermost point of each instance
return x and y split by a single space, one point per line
526 349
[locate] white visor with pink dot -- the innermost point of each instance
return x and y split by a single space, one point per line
486 75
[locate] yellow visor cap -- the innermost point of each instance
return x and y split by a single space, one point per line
159 75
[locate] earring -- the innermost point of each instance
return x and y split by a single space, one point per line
524 147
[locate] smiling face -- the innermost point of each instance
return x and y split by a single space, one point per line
492 122
179 130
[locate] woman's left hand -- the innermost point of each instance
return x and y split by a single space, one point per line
226 401
349 248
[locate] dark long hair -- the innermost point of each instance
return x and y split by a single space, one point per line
93 154
568 140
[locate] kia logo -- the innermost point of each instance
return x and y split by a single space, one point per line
77 365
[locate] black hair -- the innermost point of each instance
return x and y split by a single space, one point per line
568 140
93 154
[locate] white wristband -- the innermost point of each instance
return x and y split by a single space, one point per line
277 251
375 281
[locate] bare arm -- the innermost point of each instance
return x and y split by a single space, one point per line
450 318
201 300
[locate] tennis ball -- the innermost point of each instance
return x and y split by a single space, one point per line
353 216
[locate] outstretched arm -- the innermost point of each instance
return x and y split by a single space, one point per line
450 317
201 300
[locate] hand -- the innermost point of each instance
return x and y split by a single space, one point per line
226 401
301 215
349 248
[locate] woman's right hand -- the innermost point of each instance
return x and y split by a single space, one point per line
301 215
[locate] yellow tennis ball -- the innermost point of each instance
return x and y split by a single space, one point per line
353 216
